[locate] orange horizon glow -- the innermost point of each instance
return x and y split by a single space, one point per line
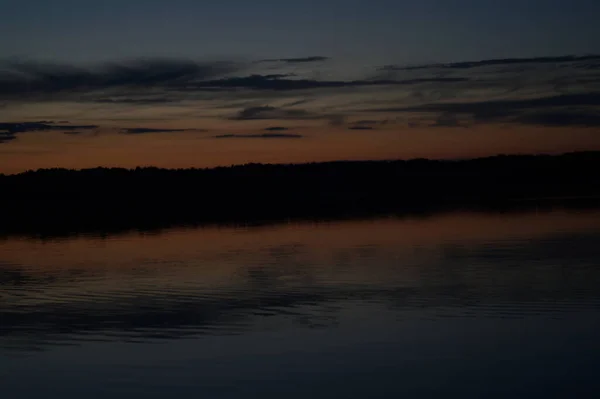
218 256
199 149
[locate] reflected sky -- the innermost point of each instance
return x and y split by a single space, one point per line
184 282
440 306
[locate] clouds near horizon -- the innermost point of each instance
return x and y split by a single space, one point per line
544 91
259 136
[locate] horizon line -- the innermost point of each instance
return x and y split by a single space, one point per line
460 159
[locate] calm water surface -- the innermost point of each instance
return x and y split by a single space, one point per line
457 305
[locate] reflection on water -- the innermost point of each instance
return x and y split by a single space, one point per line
457 305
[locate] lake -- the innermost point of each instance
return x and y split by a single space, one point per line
454 305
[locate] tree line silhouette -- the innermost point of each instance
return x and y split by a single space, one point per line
108 199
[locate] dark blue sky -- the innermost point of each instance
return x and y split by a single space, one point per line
379 31
184 83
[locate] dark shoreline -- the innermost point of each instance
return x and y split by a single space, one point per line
60 202
111 230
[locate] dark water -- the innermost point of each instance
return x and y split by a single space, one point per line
458 305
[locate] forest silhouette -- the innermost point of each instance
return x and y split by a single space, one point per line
62 201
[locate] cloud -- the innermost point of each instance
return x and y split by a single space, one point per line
337 120
259 136
260 82
23 127
302 60
494 62
268 112
5 137
562 118
457 93
11 130
563 110
591 66
276 129
298 102
29 79
432 80
447 119
155 81
160 100
144 130
367 124
268 82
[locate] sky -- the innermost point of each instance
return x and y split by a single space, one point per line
204 83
